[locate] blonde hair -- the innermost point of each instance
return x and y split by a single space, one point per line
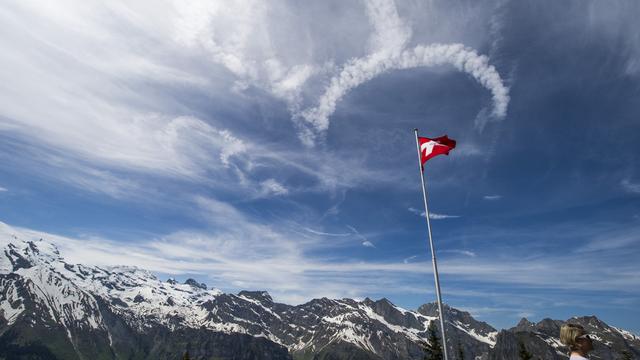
569 333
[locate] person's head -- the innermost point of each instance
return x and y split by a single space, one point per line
574 336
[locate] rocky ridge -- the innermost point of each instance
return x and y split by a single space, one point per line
72 311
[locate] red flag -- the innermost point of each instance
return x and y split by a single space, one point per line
436 146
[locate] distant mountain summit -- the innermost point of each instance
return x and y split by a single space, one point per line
50 309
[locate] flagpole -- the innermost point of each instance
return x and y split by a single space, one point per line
433 252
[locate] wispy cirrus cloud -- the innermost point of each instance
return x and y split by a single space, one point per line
117 115
259 257
432 215
238 35
461 252
316 232
92 93
629 186
368 243
612 241
492 197
273 187
106 132
365 242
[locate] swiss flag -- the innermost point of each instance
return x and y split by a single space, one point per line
436 146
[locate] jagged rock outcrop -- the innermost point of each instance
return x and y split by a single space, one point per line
542 340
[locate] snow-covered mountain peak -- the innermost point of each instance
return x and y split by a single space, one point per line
261 296
70 292
38 289
18 250
77 295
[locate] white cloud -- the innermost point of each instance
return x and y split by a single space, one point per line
368 244
183 148
417 212
106 101
105 105
492 197
611 241
389 40
316 232
432 215
194 27
92 97
630 186
329 171
3 189
359 71
365 241
272 187
259 256
407 260
470 149
390 34
461 252
237 35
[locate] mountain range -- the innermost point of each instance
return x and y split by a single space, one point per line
51 309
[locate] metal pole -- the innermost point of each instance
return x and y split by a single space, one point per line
433 252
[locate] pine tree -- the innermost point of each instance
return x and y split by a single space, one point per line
460 351
433 348
523 353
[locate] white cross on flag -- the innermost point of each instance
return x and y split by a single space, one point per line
436 146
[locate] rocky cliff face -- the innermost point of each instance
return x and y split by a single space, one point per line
52 309
542 340
475 337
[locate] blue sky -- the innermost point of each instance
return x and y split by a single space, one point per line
257 145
